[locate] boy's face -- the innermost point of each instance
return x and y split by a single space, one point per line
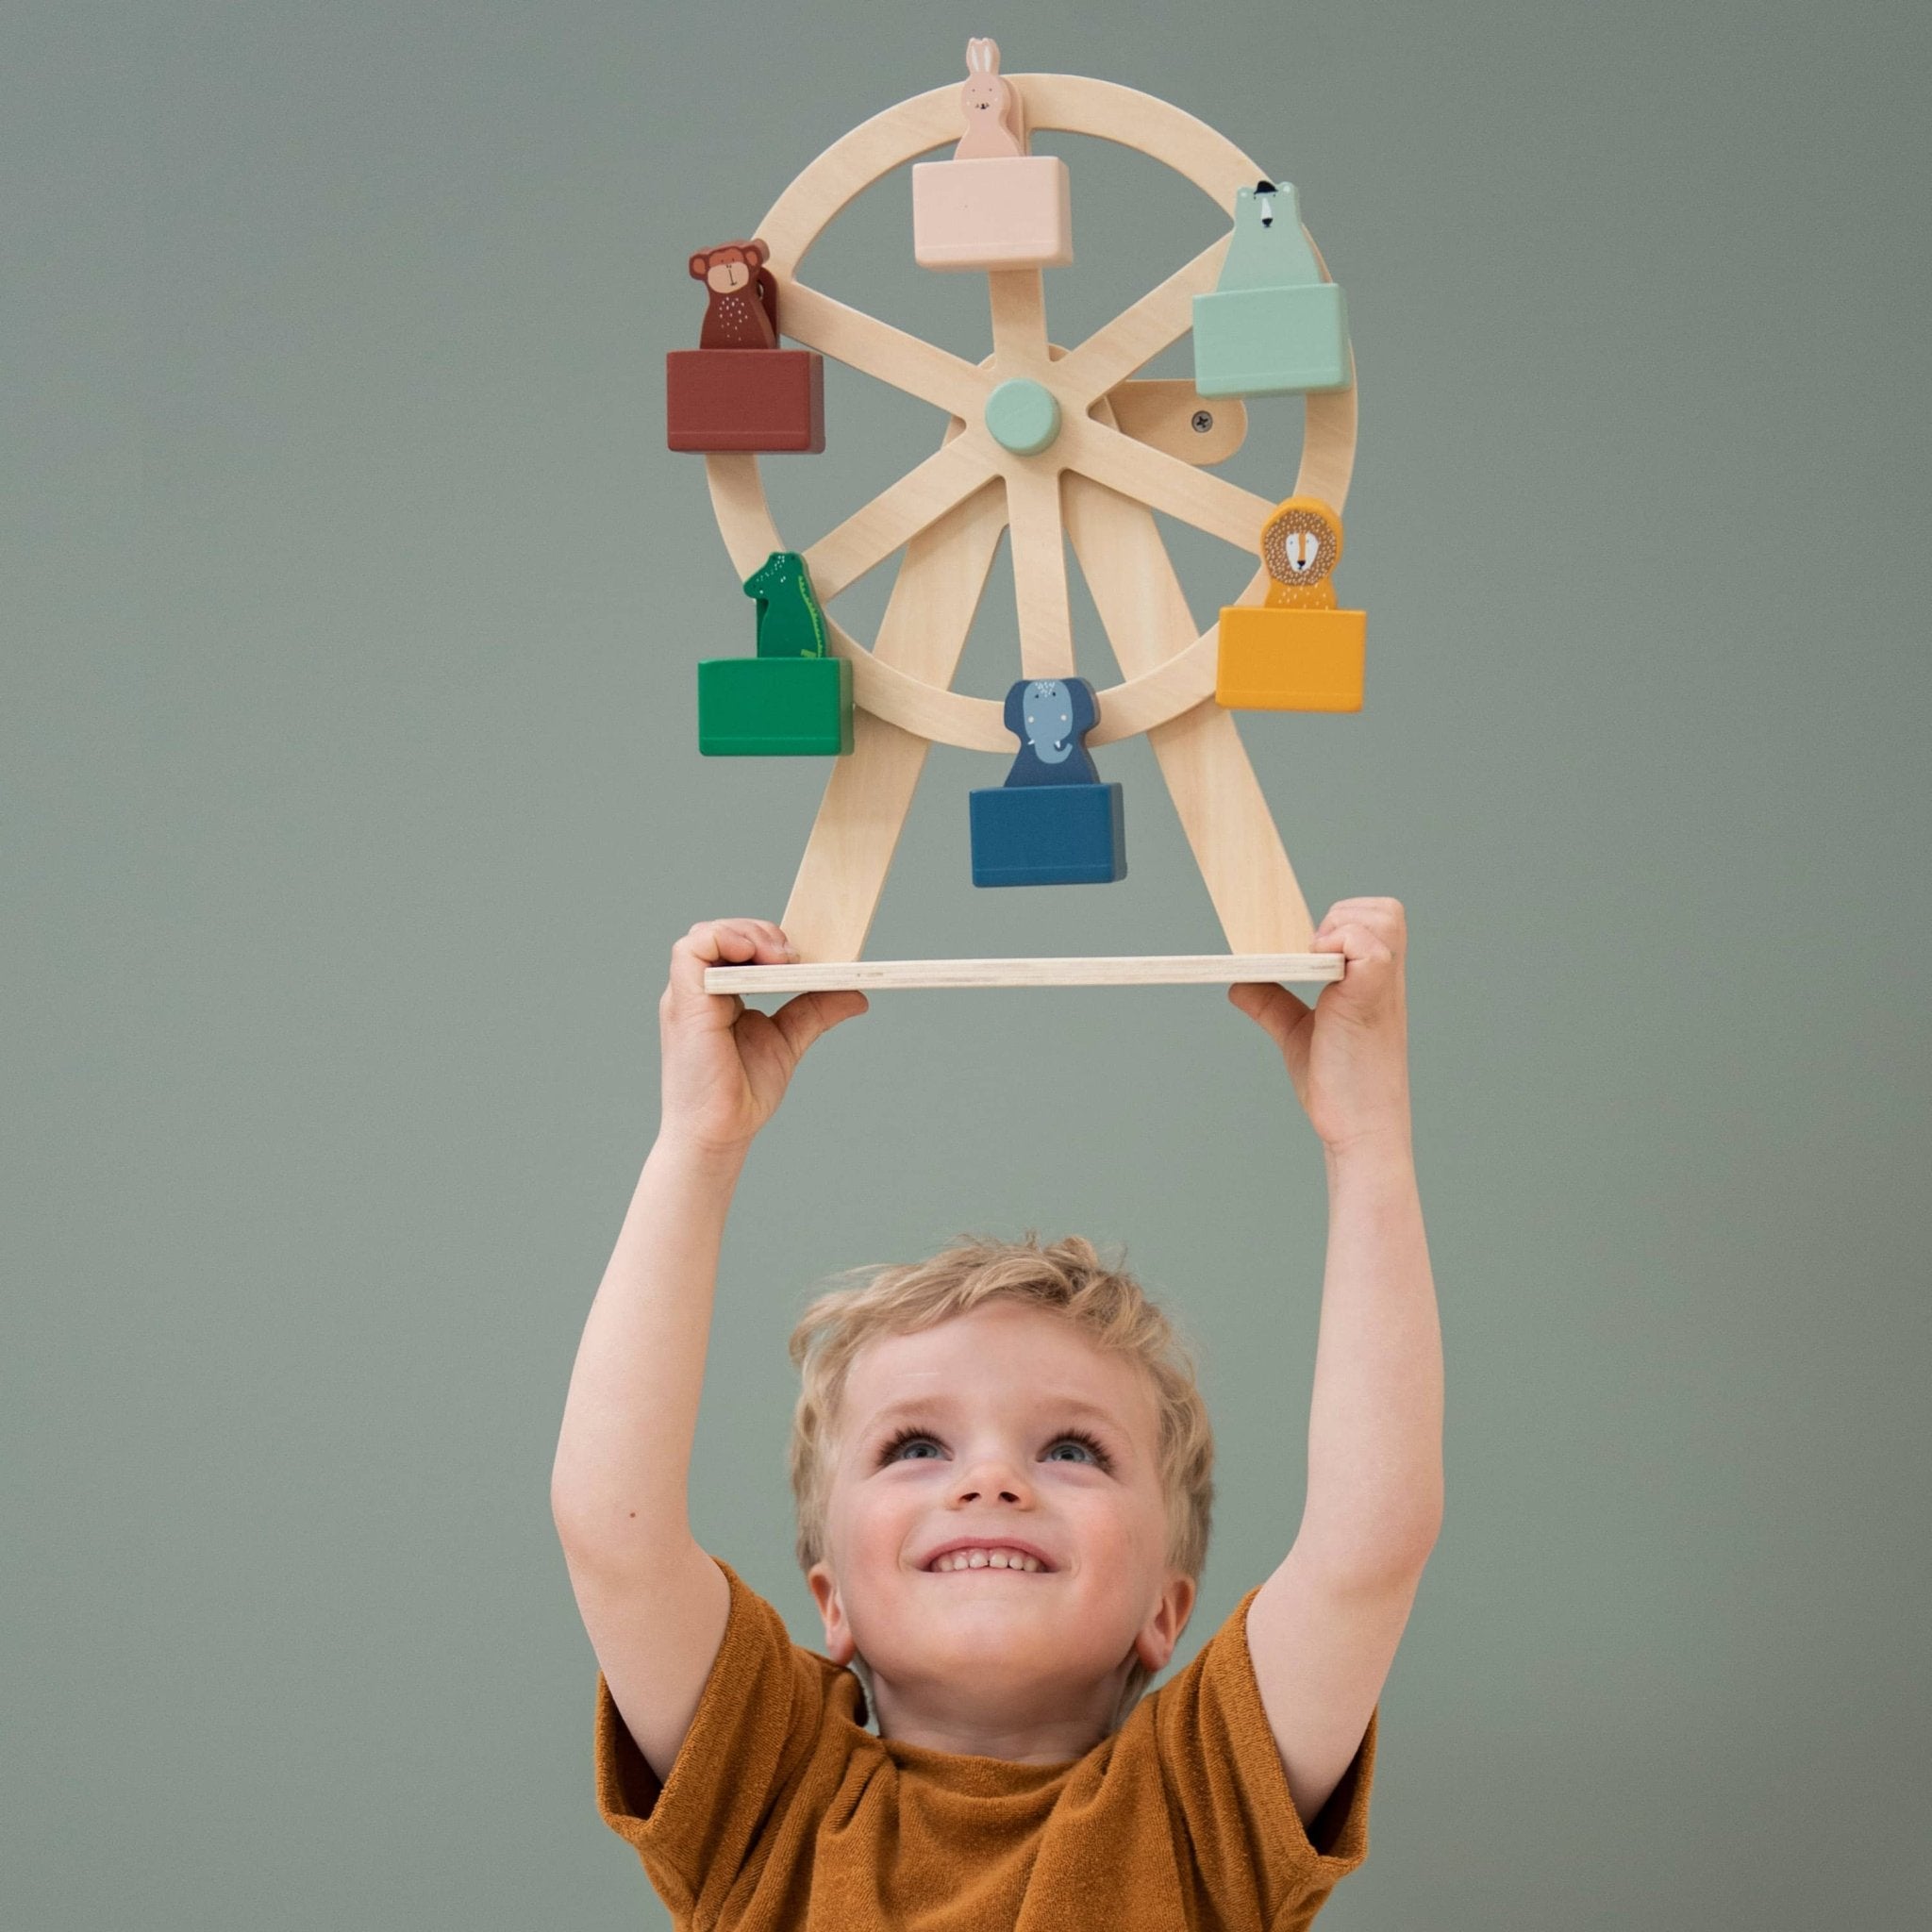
988 1411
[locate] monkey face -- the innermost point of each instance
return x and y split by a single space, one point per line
1301 543
727 270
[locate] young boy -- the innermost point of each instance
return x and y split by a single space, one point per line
994 1602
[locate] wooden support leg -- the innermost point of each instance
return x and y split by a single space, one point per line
1241 858
923 633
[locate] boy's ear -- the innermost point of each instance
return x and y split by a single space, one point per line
1157 1636
824 1594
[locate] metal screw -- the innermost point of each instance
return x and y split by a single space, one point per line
1202 422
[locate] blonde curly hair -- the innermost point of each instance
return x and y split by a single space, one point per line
1069 1278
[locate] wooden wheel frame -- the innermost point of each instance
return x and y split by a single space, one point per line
1124 449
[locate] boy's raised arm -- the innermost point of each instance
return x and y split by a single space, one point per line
1324 1629
653 1602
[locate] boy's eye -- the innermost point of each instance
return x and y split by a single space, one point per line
1091 1450
914 1445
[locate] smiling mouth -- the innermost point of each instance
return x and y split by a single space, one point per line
1003 1562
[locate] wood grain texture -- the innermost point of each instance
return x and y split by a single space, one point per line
1039 569
864 343
1170 968
1163 482
1113 464
869 792
1162 412
1018 305
896 514
1159 476
1222 809
1143 328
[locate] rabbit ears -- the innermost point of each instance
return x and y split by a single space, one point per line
982 57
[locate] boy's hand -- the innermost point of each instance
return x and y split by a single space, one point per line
1349 1056
725 1066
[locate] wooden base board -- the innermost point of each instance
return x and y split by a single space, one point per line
1173 969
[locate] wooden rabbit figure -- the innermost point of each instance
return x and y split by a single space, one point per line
992 206
991 108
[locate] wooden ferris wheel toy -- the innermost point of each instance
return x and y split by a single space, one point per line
1052 447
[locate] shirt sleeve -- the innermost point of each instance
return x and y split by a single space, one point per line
1250 1855
757 1719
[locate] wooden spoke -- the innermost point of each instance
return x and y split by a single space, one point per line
853 162
1019 321
877 349
1178 684
867 795
1163 482
870 535
949 717
1137 334
941 717
1040 571
744 518
1242 861
1328 443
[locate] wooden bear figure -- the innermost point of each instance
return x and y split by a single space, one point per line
1052 822
1294 652
742 309
1271 326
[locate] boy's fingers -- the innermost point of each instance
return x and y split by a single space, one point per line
1374 979
803 1018
725 943
1366 950
1272 1007
737 941
1382 912
1384 917
772 934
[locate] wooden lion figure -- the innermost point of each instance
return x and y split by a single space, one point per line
1301 544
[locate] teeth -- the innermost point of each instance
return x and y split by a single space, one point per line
985 1559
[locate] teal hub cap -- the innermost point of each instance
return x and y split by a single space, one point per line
1023 416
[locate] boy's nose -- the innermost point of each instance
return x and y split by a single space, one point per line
990 1481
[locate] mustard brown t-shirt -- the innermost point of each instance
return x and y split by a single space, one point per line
784 1814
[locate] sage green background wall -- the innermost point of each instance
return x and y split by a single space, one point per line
354 802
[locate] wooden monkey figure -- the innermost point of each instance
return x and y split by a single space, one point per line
742 312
